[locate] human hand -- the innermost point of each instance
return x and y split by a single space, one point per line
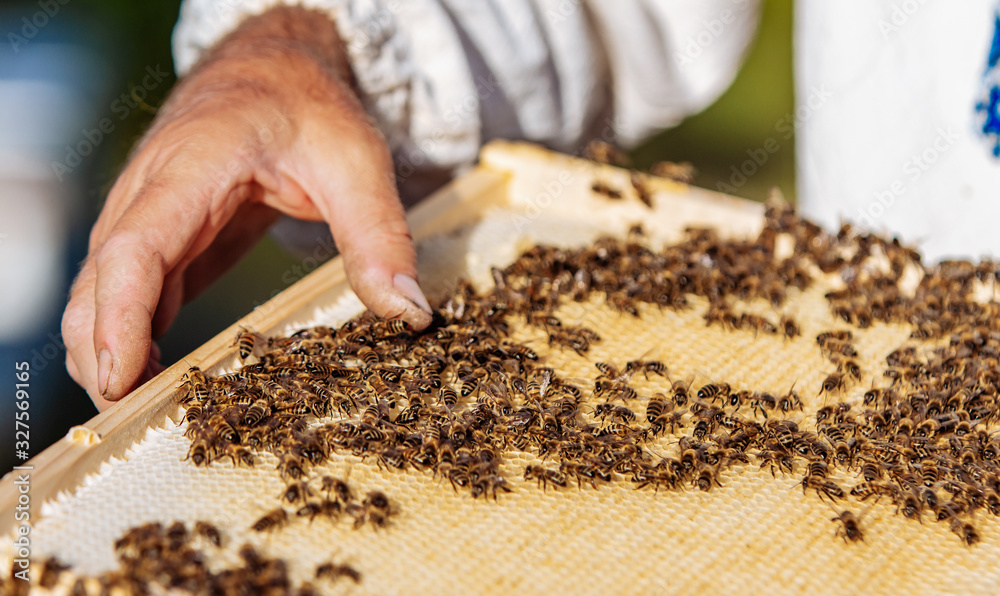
266 123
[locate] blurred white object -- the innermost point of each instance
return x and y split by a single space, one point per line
42 111
441 77
897 144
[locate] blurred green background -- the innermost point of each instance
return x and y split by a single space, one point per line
126 37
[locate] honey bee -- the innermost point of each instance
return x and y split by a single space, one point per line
197 385
256 412
642 192
52 569
209 532
850 368
707 476
823 488
680 392
850 527
621 413
671 420
714 391
239 455
448 397
271 521
833 382
647 366
245 341
678 171
656 406
605 153
602 188
789 328
965 531
866 490
339 488
377 508
334 571
201 451
544 476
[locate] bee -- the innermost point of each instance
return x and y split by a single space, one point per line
448 397
670 420
910 506
602 188
823 487
707 476
52 569
195 411
245 341
544 476
611 372
209 532
789 328
297 492
539 385
339 488
833 382
621 413
714 391
642 192
274 520
866 490
656 405
239 455
605 153
396 327
584 473
647 366
850 527
838 335
965 531
333 572
762 402
197 385
377 508
680 393
678 171
201 452
850 368
256 412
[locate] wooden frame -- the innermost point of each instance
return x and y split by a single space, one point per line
504 172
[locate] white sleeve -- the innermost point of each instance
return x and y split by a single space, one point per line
441 77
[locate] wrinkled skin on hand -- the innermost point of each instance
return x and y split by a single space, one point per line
267 123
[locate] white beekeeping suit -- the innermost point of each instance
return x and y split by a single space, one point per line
906 139
441 77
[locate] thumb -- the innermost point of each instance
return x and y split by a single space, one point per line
349 177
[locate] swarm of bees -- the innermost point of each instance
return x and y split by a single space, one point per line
155 558
455 399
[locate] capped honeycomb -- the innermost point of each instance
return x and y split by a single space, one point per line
749 526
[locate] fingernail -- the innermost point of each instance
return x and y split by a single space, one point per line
409 288
104 364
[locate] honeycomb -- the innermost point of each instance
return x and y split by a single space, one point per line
753 532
